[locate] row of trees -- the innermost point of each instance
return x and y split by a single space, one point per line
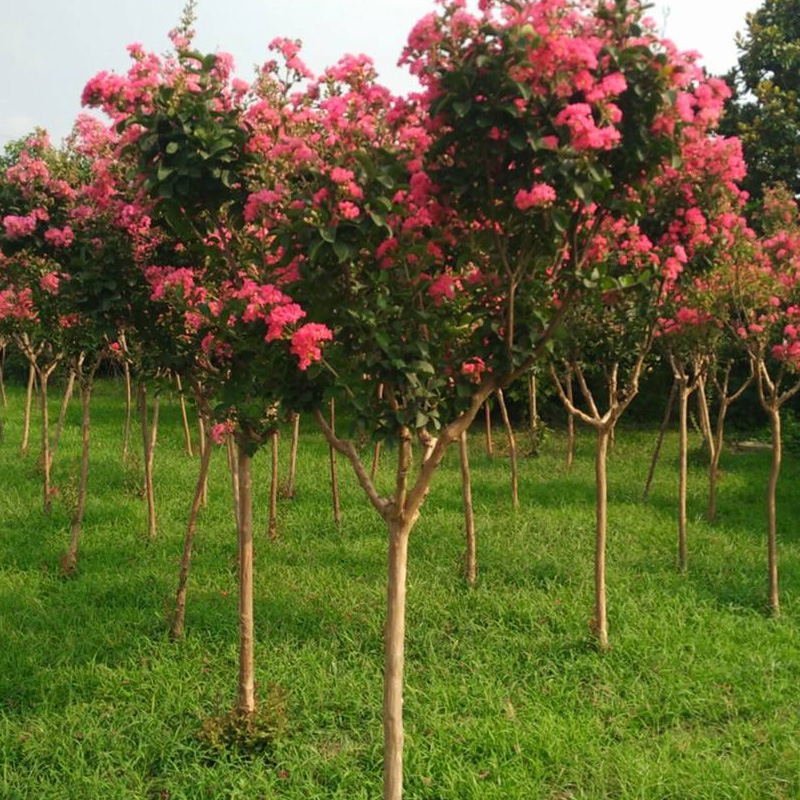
555 191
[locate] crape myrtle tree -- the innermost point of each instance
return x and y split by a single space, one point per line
442 229
699 204
36 195
767 300
195 151
607 336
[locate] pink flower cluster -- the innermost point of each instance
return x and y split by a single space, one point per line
474 368
50 283
59 237
584 132
17 305
541 195
17 227
306 343
221 431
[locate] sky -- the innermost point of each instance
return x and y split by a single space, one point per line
51 48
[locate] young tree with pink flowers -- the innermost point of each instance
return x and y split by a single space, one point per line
705 237
766 294
195 153
443 229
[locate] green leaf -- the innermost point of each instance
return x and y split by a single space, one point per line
518 140
172 148
343 250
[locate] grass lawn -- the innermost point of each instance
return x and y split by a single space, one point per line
506 698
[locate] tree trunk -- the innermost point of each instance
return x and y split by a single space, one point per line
126 433
533 414
570 425
471 564
178 618
273 489
660 441
683 473
512 449
187 435
394 658
246 702
772 529
234 470
154 430
376 461
337 511
203 443
2 376
147 444
62 413
488 420
26 425
290 484
713 456
44 377
70 560
601 488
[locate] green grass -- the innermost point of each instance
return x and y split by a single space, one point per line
506 698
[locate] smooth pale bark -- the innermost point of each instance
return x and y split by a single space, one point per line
711 444
603 423
154 430
601 528
179 615
772 517
394 653
400 512
246 698
187 434
337 511
126 432
716 441
292 480
2 376
233 467
69 389
512 449
273 488
26 424
44 376
471 562
487 412
533 412
673 393
570 458
201 443
376 461
70 560
683 472
147 445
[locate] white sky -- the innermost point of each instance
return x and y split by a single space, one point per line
50 48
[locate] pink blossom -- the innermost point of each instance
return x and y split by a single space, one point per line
49 283
475 367
17 227
59 238
341 175
541 195
281 316
221 431
349 210
306 343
